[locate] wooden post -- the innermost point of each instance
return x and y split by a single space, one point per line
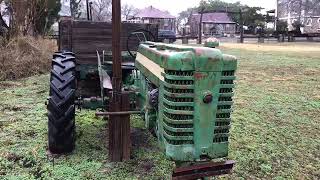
200 28
241 27
119 125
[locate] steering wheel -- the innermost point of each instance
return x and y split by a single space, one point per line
136 38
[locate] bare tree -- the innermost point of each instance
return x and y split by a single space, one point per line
33 17
75 6
128 11
3 25
102 10
302 10
183 19
2 22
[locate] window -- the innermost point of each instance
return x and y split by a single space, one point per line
166 22
309 22
228 26
319 23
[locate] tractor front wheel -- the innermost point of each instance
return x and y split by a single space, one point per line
61 105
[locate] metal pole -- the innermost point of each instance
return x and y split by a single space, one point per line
118 113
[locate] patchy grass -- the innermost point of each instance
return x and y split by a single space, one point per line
276 122
275 133
23 132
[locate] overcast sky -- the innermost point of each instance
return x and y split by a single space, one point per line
176 6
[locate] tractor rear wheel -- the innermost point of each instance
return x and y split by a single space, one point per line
61 105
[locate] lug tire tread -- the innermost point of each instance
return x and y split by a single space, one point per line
61 104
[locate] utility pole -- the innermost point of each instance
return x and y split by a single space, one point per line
200 26
241 26
119 125
90 7
88 10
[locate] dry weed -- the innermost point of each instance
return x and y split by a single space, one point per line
25 56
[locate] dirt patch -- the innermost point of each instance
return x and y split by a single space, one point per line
139 138
8 84
144 168
12 108
12 157
25 56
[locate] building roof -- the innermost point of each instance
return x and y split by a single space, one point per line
151 12
219 18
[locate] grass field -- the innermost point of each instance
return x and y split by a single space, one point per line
275 134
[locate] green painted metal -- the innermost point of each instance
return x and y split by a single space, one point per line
188 128
211 42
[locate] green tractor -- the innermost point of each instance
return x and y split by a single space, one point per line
184 93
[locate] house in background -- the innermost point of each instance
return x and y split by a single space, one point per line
152 15
212 23
305 11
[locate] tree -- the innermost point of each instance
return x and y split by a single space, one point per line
102 10
75 6
3 25
35 17
301 9
218 5
184 18
44 13
251 16
202 8
128 11
2 22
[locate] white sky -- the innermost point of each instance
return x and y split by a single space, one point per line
176 6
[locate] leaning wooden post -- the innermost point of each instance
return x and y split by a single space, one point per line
119 125
200 26
241 27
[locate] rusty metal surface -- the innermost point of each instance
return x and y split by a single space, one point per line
203 170
119 131
195 99
118 113
119 125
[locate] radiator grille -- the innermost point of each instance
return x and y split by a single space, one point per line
178 107
223 116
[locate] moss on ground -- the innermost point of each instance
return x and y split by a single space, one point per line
23 142
275 133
